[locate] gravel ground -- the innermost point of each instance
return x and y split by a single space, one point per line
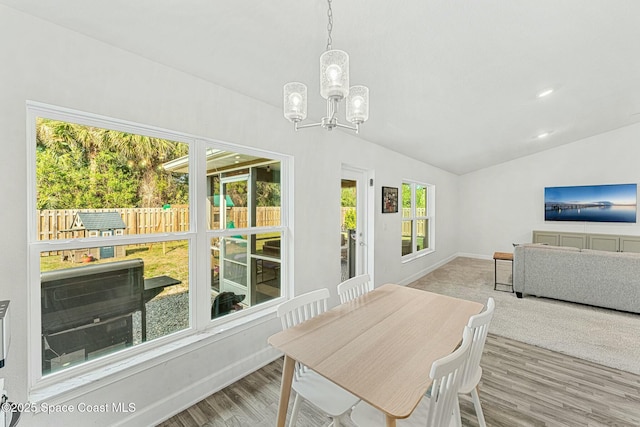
165 315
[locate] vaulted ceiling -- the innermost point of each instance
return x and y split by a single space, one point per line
452 83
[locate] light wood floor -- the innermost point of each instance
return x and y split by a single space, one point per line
522 385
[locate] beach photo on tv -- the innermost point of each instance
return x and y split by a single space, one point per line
591 203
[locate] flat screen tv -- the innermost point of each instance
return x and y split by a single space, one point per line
591 203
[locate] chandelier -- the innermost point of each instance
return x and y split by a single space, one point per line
334 87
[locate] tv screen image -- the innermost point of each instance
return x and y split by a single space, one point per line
591 203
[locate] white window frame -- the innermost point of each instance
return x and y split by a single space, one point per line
414 218
88 374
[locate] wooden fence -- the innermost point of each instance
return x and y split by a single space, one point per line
57 224
406 225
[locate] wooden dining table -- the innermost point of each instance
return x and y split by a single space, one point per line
379 346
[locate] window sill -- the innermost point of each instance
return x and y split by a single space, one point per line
413 257
72 388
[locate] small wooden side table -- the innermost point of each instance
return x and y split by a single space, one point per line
502 256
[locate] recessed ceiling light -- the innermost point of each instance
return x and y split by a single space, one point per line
545 92
543 135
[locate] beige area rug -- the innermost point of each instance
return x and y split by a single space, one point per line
607 337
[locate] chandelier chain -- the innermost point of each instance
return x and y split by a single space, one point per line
329 25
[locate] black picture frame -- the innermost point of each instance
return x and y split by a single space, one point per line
389 199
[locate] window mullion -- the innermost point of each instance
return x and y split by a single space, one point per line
414 219
200 293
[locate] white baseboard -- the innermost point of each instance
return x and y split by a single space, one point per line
177 402
477 256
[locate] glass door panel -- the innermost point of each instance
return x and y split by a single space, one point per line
265 266
355 252
348 228
234 250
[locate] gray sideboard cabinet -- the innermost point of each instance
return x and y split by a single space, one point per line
546 238
600 242
630 244
558 238
603 242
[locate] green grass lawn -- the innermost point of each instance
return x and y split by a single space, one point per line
169 258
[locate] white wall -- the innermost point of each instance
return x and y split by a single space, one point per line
503 204
45 63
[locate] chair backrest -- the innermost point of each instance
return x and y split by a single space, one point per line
354 287
446 373
479 325
301 308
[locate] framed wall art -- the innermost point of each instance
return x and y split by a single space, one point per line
389 199
591 203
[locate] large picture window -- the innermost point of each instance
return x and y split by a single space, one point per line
114 247
417 219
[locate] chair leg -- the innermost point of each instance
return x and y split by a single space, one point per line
457 419
337 421
476 403
294 411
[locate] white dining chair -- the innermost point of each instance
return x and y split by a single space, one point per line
354 287
325 395
479 325
436 410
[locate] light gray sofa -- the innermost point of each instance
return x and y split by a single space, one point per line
599 278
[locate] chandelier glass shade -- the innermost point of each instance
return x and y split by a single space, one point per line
334 74
295 101
334 87
358 104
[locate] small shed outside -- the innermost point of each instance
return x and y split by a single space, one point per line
96 224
